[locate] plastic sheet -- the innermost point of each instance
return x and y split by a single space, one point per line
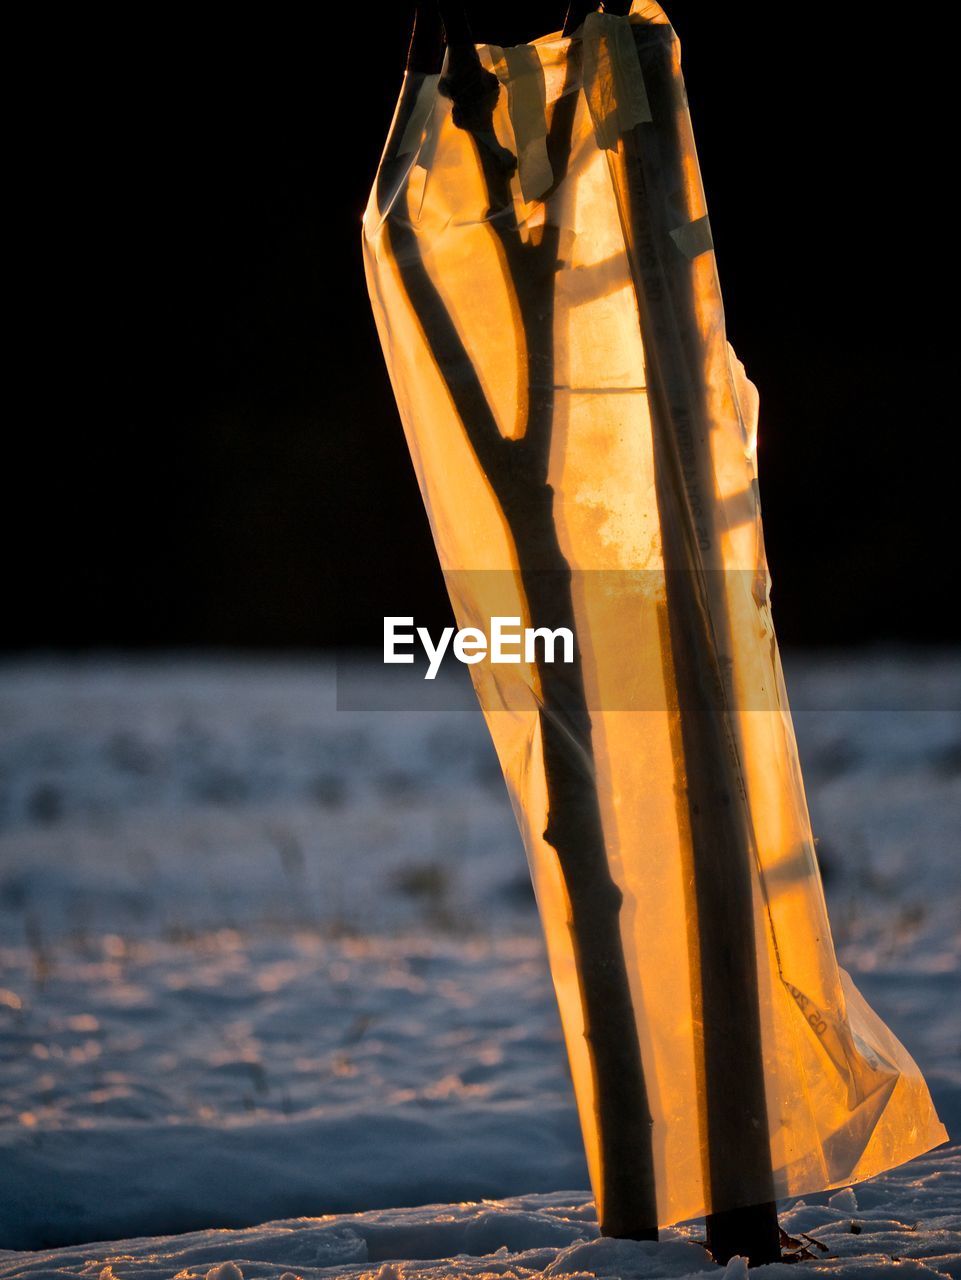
545 290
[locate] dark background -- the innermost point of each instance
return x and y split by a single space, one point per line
208 453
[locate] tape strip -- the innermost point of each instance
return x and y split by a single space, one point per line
521 71
632 105
694 238
613 80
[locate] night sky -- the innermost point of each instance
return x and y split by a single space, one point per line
208 453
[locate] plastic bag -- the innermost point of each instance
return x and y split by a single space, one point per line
544 285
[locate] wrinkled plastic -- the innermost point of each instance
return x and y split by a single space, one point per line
646 425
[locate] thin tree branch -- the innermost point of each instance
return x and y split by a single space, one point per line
738 1164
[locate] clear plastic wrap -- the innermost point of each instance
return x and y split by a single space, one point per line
545 289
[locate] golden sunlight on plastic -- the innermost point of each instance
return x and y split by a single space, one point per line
584 439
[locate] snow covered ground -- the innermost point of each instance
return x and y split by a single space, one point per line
261 958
